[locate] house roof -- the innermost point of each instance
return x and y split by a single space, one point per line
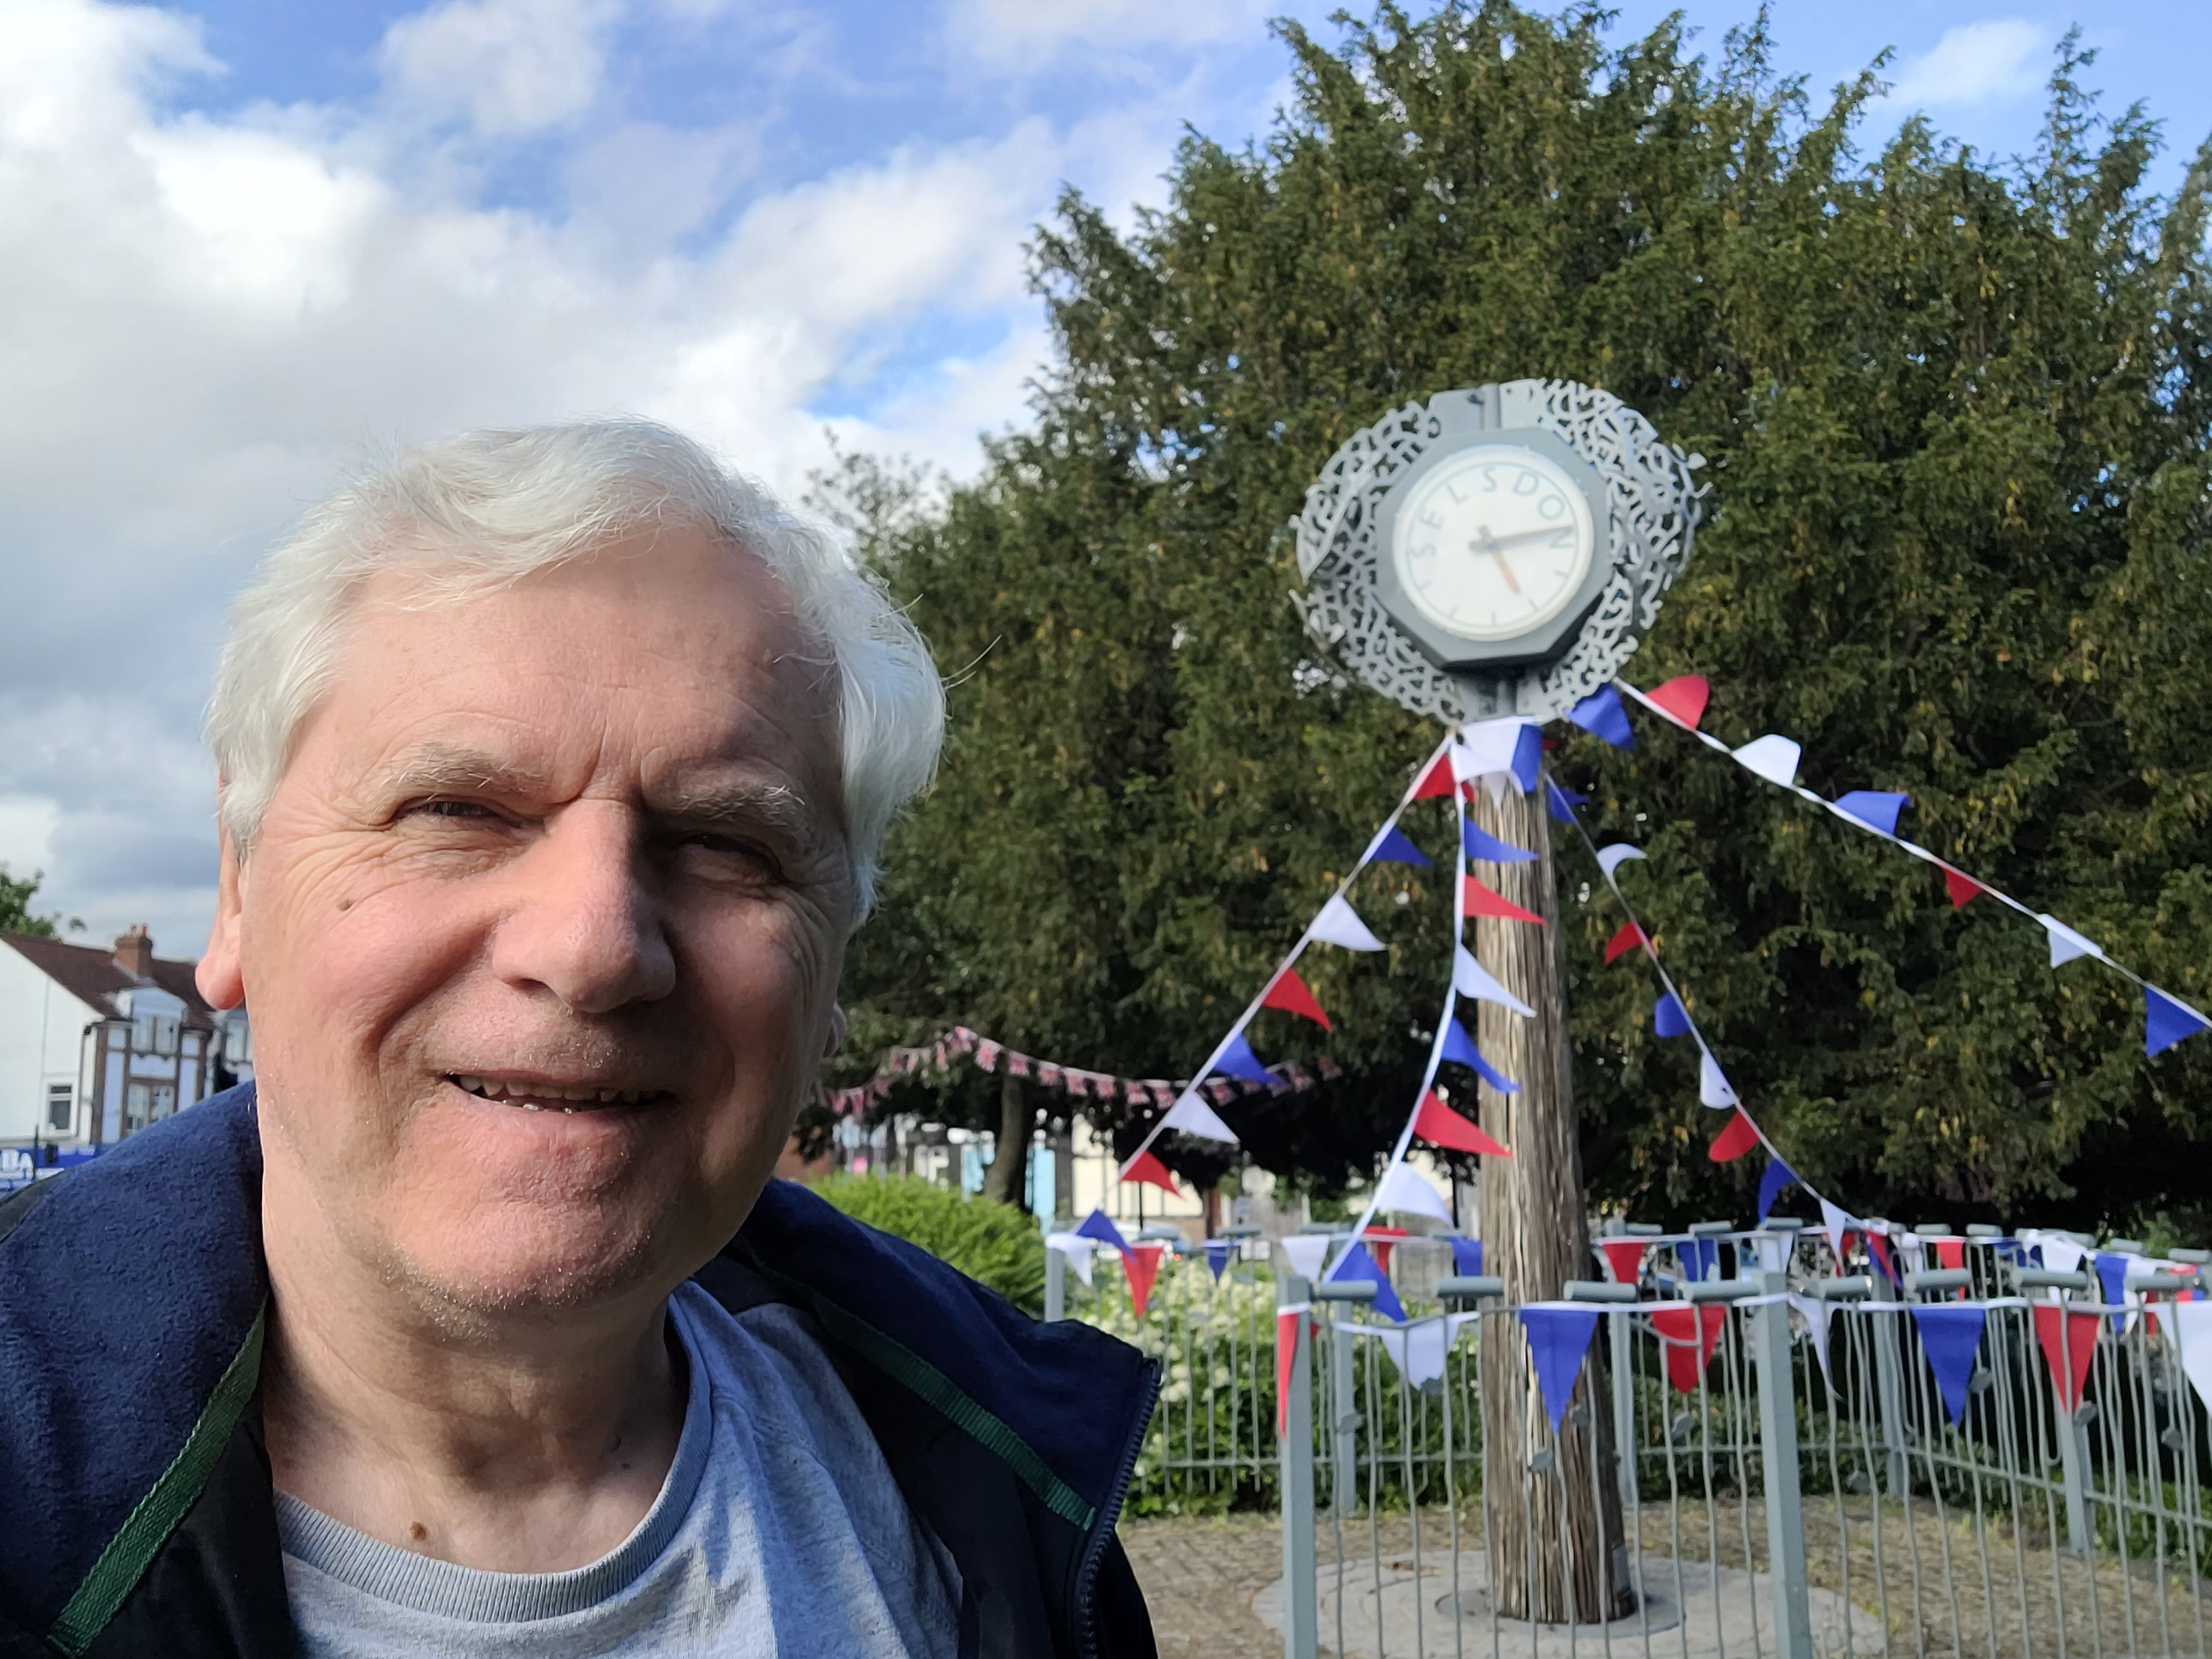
93 976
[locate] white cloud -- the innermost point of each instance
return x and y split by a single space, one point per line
1973 62
512 66
1026 34
203 317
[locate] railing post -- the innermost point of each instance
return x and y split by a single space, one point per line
1300 1607
1889 1385
1777 1445
2074 1470
1055 1284
1343 1430
1624 1406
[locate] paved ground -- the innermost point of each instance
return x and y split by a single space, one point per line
1940 1588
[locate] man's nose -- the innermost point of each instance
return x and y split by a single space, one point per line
586 926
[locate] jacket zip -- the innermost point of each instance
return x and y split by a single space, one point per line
1094 1551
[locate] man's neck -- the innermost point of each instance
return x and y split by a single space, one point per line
527 1444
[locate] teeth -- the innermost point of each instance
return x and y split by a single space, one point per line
529 1095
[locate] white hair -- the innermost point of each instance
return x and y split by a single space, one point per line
480 511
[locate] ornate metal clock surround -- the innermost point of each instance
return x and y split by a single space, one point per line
1652 511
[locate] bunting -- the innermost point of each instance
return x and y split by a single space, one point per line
1625 1258
1437 1124
1293 995
1741 1136
1459 1049
1142 1264
1287 1321
1147 1171
1778 1178
1558 1336
2167 1020
2068 1340
1484 900
1688 1336
1950 1335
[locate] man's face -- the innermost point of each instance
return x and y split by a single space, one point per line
542 924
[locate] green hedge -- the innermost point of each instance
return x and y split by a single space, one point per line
994 1244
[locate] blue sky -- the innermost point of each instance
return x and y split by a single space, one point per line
243 243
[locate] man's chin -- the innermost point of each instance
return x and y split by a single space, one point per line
547 1267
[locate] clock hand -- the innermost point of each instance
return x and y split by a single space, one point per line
1525 535
1487 542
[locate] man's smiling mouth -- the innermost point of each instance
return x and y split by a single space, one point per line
535 1097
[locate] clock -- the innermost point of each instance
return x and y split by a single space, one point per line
1495 542
1493 548
1496 550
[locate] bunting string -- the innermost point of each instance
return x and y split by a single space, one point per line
962 1043
2168 1020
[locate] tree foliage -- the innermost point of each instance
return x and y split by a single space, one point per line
16 915
1955 413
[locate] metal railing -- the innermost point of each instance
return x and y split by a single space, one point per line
1806 1489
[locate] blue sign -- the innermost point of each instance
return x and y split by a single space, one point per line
21 1165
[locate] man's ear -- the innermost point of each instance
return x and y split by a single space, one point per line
837 1029
221 975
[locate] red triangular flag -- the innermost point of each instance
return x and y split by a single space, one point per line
1688 1336
1146 1169
1292 994
1440 1126
1684 697
2068 1348
1142 1265
1625 1257
1951 1252
1436 780
1483 901
1961 887
1733 1142
1630 938
1286 1334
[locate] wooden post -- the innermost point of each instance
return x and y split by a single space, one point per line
1555 1534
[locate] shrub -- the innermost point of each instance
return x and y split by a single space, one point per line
993 1243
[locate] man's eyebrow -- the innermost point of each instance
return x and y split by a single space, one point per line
736 800
436 767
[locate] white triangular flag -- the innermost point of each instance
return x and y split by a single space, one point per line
1487 746
1417 1351
1837 1223
1308 1253
1612 858
1471 979
2065 943
1338 924
1816 1314
2192 1330
1077 1249
1774 758
1713 1086
1403 1189
2060 1255
1195 1117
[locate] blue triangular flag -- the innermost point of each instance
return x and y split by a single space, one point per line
1878 807
1218 1252
1949 1334
1237 1060
1527 756
1778 1175
2166 1022
1558 1339
1668 1018
1563 802
1481 844
1394 848
1357 1265
2112 1274
1600 713
1701 1258
1100 1225
1460 1049
1467 1255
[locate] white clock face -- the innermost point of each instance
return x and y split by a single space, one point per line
1493 541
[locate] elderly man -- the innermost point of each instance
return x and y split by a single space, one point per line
555 766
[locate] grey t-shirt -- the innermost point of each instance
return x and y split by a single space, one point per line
778 1531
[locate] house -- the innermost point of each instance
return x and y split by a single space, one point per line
95 1045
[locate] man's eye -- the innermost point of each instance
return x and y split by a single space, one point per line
452 809
729 850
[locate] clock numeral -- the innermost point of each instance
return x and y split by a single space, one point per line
1527 484
1551 506
1490 479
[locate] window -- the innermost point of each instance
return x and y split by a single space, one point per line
138 1108
165 1036
61 1107
164 1102
142 1033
